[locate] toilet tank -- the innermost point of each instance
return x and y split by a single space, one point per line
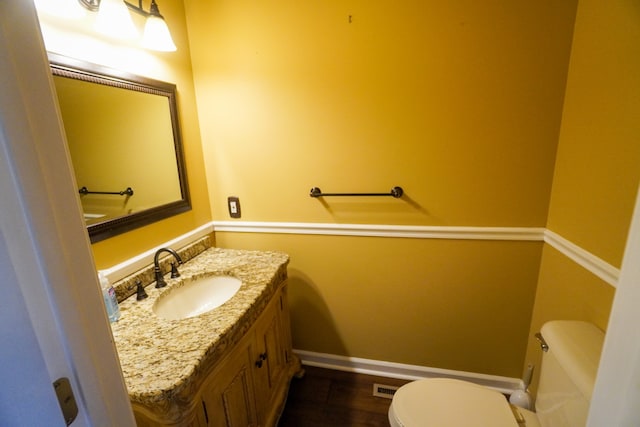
568 372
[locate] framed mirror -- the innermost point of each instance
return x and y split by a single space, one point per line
125 144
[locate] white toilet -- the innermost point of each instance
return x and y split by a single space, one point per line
567 376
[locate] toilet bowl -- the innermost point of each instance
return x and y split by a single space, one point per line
568 372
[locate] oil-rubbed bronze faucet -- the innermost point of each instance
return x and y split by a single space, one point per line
141 294
160 283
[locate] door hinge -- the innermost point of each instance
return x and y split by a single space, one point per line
66 400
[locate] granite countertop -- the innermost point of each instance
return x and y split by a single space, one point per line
165 361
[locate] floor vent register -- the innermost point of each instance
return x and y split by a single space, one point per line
383 390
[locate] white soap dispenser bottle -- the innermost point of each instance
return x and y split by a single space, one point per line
109 296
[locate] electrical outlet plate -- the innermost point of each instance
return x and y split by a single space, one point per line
234 206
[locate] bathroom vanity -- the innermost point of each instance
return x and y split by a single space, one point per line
230 366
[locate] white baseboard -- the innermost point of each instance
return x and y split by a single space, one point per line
506 385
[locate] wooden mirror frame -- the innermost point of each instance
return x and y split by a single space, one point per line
81 70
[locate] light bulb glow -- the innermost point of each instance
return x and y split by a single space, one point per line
67 9
114 20
156 35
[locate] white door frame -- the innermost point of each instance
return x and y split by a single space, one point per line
617 390
50 255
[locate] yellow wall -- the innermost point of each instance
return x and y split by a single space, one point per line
78 39
462 305
598 163
458 103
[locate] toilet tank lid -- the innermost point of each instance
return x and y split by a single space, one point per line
577 346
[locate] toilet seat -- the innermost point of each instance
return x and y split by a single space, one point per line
443 402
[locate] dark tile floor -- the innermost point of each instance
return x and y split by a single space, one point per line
325 397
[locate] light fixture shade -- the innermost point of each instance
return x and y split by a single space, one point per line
114 20
157 36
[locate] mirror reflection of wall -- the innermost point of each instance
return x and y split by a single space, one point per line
118 138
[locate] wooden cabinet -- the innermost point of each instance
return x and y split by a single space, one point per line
248 387
228 395
270 360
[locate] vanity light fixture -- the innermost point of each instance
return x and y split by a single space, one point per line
92 5
115 20
156 33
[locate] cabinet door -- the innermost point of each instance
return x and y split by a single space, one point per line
228 397
270 361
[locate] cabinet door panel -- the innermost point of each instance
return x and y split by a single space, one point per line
270 365
229 396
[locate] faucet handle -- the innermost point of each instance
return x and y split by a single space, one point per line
174 271
140 291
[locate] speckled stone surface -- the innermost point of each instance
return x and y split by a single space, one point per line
165 361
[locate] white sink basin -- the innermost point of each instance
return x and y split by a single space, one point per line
195 297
